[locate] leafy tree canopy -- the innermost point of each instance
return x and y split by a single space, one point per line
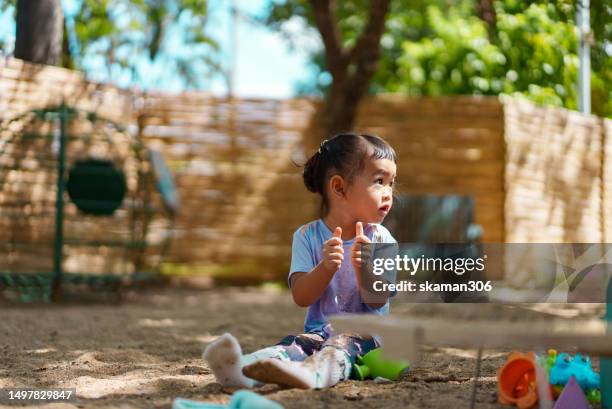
443 47
132 39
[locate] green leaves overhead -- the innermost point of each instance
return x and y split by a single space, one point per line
534 55
139 41
127 32
442 47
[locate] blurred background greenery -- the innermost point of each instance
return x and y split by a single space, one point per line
428 47
445 47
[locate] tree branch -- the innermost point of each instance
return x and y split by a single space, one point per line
351 69
366 53
367 45
325 18
486 12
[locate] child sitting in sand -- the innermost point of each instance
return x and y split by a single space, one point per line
354 174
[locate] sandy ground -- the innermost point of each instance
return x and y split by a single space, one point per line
147 350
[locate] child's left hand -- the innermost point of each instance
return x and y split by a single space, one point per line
357 254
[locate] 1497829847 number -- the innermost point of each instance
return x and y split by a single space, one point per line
39 394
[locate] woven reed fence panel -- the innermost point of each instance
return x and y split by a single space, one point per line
553 175
243 196
233 161
25 86
533 172
446 146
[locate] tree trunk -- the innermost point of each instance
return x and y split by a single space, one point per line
351 69
486 12
39 31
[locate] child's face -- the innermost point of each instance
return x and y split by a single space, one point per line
370 196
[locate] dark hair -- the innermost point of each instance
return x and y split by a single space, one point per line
345 155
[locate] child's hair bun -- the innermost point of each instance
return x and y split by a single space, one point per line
312 180
313 169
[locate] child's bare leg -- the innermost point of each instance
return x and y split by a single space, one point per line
321 370
224 356
332 364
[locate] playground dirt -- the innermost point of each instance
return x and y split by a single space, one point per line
146 350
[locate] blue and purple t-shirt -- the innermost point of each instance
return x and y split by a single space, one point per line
342 293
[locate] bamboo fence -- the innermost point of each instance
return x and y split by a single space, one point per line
536 174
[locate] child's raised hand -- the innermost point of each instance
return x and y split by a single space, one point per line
333 253
357 254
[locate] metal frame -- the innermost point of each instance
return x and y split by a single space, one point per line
47 286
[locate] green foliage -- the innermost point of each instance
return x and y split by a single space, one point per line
441 47
535 55
129 37
459 59
404 21
125 33
6 5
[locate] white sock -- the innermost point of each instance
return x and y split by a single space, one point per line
323 369
224 357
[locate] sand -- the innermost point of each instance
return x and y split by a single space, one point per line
146 350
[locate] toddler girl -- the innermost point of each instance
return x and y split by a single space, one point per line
354 174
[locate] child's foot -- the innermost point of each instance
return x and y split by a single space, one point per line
224 359
284 373
322 369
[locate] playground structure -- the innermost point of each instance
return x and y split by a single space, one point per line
83 203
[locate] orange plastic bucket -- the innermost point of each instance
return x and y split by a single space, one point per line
516 381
